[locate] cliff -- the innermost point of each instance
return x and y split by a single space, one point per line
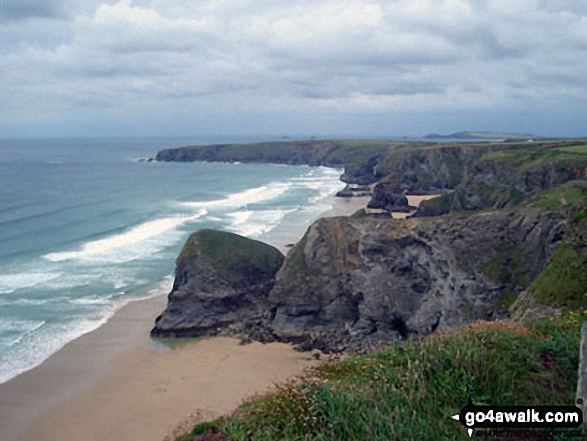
511 210
473 176
353 282
356 282
221 279
360 159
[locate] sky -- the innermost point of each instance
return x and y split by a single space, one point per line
307 67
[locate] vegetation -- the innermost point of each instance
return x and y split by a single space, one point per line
507 265
436 206
528 158
563 283
572 193
410 391
227 251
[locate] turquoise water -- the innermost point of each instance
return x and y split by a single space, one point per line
85 227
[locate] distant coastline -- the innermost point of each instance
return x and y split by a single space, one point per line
486 136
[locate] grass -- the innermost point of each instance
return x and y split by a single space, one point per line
529 158
436 206
507 265
228 251
563 284
572 193
409 391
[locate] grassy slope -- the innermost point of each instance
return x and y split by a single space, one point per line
563 284
409 392
528 158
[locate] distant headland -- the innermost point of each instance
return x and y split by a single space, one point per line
489 136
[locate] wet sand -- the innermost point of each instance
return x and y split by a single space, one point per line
115 383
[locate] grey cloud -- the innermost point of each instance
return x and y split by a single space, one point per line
17 10
225 56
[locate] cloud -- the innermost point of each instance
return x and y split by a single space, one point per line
18 10
223 57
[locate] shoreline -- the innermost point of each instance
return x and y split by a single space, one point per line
45 402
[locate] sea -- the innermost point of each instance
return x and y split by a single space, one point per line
86 227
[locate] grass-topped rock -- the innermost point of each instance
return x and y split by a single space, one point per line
221 279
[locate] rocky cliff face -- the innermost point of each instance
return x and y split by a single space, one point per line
221 279
474 177
500 182
352 283
359 159
428 170
355 281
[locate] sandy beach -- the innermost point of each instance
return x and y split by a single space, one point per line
115 383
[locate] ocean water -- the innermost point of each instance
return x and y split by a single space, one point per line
85 228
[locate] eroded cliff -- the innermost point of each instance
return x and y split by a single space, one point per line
356 282
353 282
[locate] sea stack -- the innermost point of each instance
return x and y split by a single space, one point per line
221 279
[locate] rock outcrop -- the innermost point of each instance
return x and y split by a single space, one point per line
354 282
506 179
360 281
221 279
384 198
475 177
354 191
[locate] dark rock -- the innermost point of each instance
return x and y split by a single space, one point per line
345 194
353 283
435 207
384 198
221 279
351 191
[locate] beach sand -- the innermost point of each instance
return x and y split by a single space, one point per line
115 383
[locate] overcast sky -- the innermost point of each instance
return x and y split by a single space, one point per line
352 68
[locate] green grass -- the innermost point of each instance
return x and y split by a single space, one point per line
528 158
563 284
436 206
227 251
572 193
507 265
409 391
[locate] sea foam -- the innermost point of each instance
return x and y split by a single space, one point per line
243 198
255 223
125 246
11 282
